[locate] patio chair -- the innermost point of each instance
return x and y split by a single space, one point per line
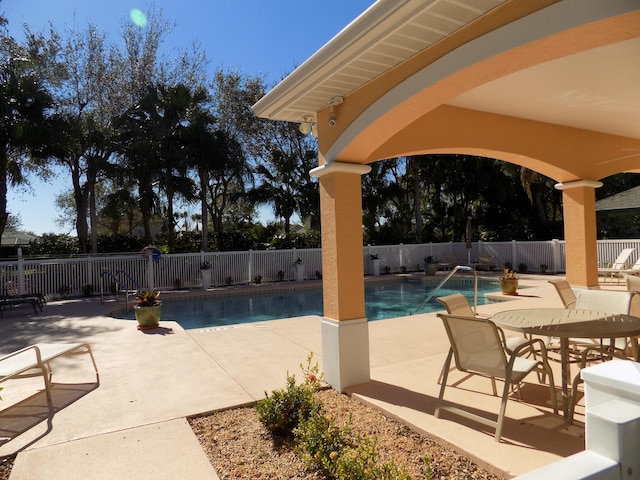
477 346
603 300
457 304
567 295
618 265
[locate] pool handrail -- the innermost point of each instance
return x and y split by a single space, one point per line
466 268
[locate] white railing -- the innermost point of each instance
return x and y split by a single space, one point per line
74 276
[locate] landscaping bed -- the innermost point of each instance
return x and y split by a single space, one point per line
240 447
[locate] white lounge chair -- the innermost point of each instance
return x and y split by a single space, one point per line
618 266
35 360
477 346
634 269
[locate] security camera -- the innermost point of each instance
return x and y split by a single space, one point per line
332 120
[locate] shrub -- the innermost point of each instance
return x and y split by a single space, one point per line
282 411
320 442
361 462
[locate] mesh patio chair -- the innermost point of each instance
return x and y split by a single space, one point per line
568 296
477 347
457 304
566 293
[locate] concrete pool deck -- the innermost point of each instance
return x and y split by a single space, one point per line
131 424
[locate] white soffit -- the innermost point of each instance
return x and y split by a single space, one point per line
363 50
596 90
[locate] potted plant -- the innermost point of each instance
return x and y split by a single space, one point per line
205 273
375 258
148 309
299 270
430 265
509 282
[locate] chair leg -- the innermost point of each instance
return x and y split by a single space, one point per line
443 385
552 387
503 407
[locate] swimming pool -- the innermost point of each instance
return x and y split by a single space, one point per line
383 299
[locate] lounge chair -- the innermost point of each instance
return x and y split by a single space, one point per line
477 346
453 260
485 261
633 270
35 360
13 301
632 282
619 264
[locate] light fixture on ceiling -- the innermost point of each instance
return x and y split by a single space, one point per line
308 126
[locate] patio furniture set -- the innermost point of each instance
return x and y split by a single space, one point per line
593 326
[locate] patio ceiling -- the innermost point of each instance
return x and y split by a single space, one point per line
596 89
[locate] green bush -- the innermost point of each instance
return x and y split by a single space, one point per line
320 442
361 462
282 411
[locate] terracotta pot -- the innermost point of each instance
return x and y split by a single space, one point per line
509 285
148 317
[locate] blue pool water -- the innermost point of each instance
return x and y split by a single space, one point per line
383 299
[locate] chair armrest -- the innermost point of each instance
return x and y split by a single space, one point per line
530 343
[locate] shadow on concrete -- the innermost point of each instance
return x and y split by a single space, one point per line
544 431
26 414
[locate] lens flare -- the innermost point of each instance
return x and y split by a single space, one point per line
138 17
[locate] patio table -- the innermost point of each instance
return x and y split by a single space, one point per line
566 323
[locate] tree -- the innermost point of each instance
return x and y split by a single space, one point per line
24 124
284 178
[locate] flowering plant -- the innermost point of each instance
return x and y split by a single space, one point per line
205 266
508 274
148 298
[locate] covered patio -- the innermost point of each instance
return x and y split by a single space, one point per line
548 85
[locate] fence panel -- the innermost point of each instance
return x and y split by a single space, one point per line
74 276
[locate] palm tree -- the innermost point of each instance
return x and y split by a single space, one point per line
24 124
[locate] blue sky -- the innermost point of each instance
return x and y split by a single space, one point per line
259 37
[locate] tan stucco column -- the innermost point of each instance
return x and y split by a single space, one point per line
580 231
345 331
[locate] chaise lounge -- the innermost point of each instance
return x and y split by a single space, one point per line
35 360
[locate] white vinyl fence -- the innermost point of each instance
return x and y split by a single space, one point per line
80 275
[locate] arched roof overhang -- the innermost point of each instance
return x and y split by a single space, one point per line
547 85
432 111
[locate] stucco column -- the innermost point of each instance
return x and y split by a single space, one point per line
345 331
580 231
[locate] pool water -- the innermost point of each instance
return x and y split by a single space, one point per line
383 299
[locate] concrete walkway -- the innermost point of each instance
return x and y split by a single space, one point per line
130 423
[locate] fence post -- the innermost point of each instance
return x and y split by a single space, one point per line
150 283
21 289
401 255
557 257
514 254
250 269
